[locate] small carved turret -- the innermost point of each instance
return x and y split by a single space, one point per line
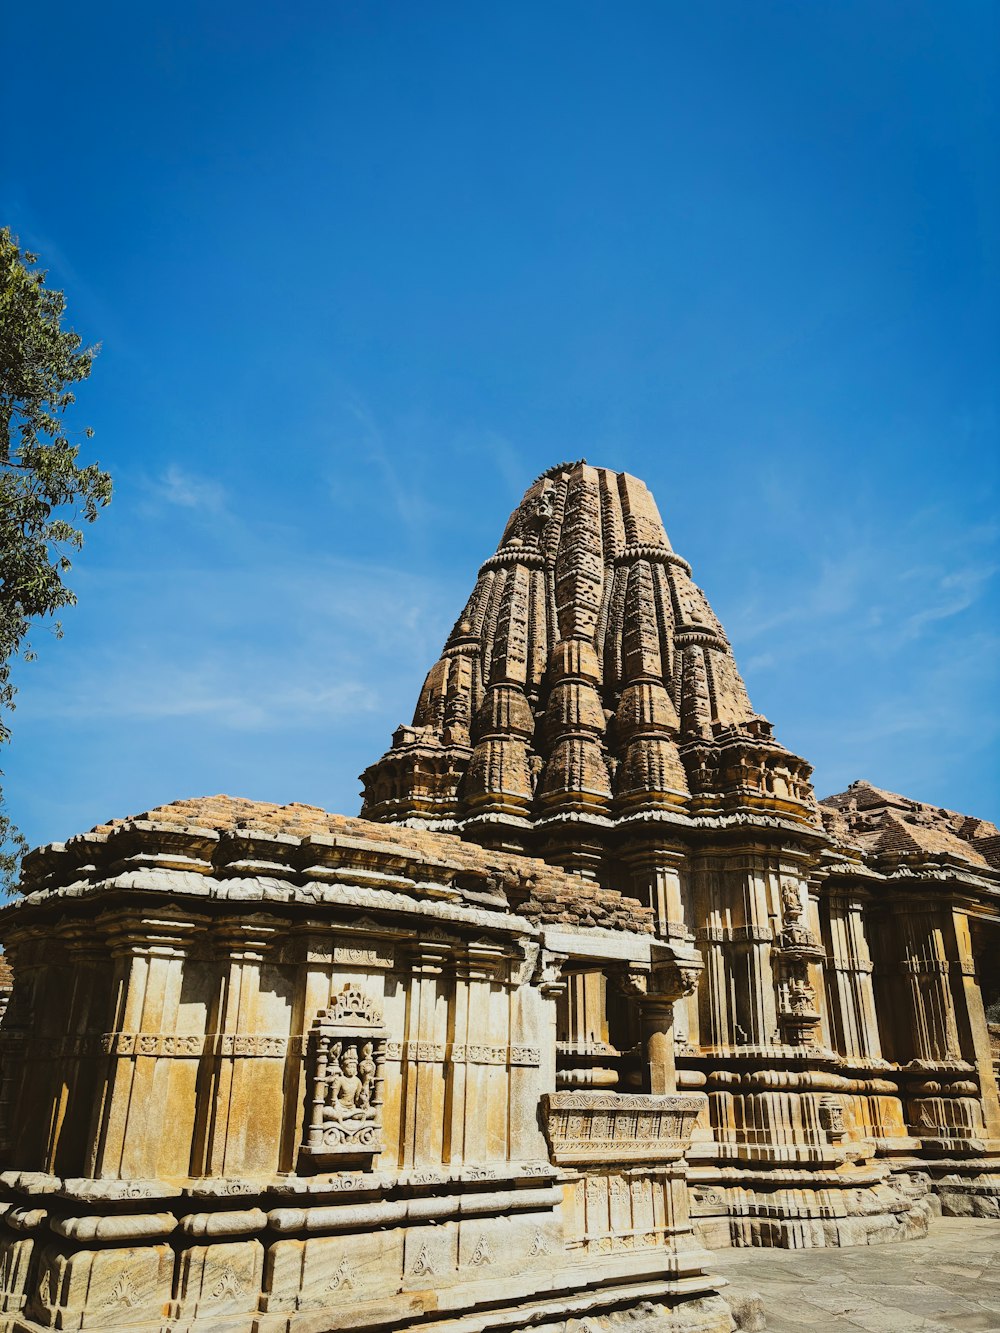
499 777
650 773
575 778
696 706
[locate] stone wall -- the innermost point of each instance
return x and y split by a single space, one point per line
257 1080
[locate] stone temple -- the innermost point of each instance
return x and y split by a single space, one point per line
593 987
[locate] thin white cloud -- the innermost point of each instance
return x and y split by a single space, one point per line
954 593
877 594
496 451
190 491
937 718
760 661
231 693
411 509
258 650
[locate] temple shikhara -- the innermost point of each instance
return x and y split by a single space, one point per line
593 987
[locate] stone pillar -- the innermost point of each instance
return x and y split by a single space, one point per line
971 1017
851 1013
926 969
424 1053
657 989
483 1039
138 1131
658 1039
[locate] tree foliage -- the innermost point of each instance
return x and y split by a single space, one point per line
44 491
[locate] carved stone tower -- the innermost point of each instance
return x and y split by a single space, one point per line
586 691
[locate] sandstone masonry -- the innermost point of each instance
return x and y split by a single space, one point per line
594 983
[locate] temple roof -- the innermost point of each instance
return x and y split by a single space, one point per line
229 836
883 823
587 676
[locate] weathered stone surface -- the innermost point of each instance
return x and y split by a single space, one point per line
949 1280
595 978
747 1308
619 686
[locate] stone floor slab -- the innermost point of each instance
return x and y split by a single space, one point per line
944 1283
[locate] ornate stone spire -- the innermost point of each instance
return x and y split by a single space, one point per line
586 681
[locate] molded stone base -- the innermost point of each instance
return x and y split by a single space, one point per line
897 1209
969 1196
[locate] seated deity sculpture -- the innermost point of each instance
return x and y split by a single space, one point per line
349 1095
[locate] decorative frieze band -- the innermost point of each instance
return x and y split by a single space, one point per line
425 1052
169 1044
150 1043
926 967
848 965
584 1127
752 934
364 956
429 1052
264 1046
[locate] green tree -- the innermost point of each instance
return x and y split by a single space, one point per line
44 492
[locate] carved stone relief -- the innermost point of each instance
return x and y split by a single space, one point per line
347 1051
796 948
584 1127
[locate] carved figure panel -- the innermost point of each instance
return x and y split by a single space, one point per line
589 1127
347 1051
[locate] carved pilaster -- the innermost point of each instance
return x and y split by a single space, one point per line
848 966
430 960
135 1134
476 1119
228 1080
655 872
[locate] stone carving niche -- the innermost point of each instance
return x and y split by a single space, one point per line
346 1075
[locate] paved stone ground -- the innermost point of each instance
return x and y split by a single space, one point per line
949 1281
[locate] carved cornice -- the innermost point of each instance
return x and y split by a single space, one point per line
658 555
515 555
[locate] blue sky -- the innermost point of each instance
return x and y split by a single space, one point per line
361 271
